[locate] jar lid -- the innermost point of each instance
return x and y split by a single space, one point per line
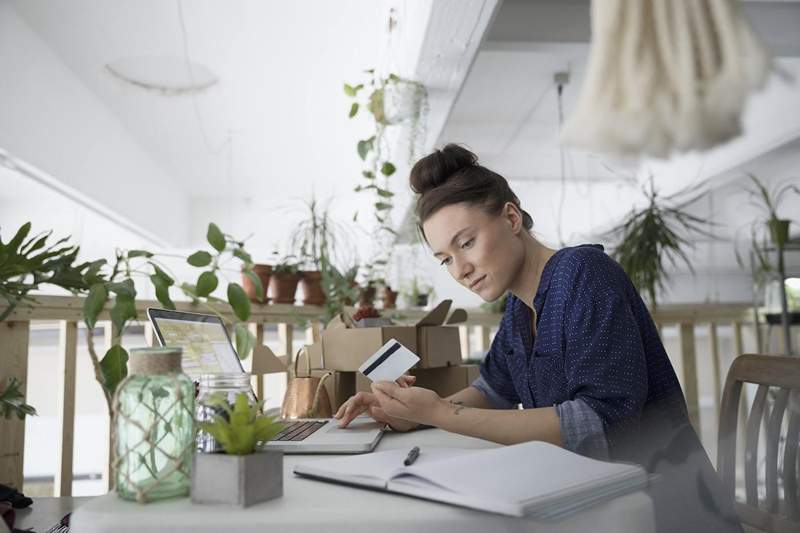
149 361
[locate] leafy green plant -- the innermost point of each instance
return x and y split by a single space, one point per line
416 289
389 100
340 289
288 264
27 263
12 401
118 285
240 428
317 238
770 231
649 237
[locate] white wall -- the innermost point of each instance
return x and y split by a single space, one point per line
49 119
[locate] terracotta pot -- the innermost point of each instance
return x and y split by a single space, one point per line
366 296
282 287
263 272
311 283
389 298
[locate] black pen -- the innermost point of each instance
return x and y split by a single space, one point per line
412 456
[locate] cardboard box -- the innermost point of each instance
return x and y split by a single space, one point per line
434 339
446 381
340 386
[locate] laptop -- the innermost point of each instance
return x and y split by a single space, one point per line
207 349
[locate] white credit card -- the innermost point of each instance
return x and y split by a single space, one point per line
389 363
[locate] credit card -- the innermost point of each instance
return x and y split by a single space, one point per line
389 363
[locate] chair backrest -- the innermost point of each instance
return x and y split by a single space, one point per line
777 399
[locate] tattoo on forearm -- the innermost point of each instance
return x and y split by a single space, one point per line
459 406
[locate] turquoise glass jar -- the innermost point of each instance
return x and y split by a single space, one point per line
154 427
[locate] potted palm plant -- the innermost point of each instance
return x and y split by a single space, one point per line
242 475
314 237
649 237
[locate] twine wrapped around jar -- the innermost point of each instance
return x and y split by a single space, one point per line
154 427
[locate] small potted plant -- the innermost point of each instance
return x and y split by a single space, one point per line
284 280
242 475
255 285
389 297
418 294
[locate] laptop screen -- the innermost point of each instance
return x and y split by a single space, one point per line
206 346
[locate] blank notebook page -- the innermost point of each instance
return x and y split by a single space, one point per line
522 472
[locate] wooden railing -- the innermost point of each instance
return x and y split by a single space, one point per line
15 331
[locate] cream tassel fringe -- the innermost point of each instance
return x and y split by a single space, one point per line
665 76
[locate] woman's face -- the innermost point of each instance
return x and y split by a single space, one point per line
484 253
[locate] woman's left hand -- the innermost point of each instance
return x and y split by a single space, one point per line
414 404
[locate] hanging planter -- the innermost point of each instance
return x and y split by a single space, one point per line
402 101
391 101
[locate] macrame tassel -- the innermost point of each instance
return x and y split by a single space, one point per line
665 77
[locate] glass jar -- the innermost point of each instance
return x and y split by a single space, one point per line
154 427
212 389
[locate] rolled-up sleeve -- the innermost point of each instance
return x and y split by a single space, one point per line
497 401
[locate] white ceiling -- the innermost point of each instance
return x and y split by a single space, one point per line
278 114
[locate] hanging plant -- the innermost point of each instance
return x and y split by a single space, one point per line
390 101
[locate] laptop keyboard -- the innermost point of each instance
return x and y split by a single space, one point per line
299 430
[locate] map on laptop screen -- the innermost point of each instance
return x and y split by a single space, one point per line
206 348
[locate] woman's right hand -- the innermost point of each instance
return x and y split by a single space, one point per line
365 402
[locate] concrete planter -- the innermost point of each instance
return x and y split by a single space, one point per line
242 480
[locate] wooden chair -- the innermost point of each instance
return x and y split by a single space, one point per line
773 514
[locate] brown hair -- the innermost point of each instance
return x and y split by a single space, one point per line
452 175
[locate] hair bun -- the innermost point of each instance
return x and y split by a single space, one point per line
435 169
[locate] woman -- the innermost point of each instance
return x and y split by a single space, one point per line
576 347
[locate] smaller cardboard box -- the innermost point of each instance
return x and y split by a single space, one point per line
340 386
446 381
434 339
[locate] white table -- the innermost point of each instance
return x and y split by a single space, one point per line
314 506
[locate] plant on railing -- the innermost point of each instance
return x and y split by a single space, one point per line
340 289
27 263
239 428
112 368
12 401
658 232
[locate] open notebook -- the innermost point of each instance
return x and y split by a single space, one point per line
533 479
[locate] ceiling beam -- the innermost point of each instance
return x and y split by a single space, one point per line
557 21
456 29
